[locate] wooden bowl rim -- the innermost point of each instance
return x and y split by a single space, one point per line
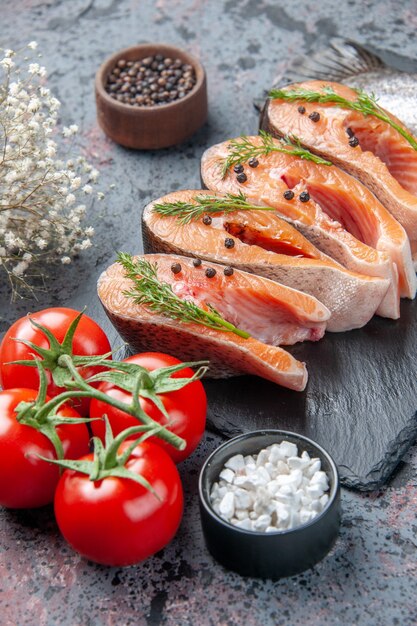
148 49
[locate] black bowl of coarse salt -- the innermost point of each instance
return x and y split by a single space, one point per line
151 96
269 503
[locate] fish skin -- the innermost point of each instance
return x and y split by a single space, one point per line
228 353
392 78
395 91
265 186
383 161
352 298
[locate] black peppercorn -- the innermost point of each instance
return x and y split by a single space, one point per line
238 168
229 242
207 220
210 272
304 196
241 178
350 132
354 141
228 271
149 76
314 116
196 262
301 110
176 268
253 162
288 194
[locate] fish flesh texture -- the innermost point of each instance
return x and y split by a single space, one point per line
271 313
383 160
338 197
266 245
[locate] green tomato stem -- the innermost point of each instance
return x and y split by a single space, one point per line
87 391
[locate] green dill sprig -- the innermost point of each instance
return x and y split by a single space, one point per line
205 204
158 296
242 149
365 104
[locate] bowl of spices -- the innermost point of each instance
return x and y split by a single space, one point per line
151 96
269 503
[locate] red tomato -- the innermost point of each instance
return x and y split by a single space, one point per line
116 521
27 481
89 339
186 407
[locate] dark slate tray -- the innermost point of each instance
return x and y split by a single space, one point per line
361 400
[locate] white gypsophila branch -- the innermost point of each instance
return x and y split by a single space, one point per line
43 190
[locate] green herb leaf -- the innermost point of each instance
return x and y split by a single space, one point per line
365 104
206 204
243 149
158 296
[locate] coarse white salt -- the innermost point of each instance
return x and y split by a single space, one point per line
236 463
276 489
243 499
227 475
227 505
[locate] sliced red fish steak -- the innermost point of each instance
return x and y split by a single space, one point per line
259 241
382 158
270 313
329 195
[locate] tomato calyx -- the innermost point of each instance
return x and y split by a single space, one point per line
80 388
131 377
34 415
50 356
107 461
153 383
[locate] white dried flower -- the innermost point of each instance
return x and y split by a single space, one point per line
34 105
34 68
86 243
69 131
6 63
76 182
20 268
14 89
35 179
41 243
50 149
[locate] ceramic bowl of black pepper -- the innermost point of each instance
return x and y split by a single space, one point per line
272 522
151 96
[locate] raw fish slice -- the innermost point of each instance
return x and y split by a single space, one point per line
259 306
266 184
270 312
384 161
351 204
258 236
